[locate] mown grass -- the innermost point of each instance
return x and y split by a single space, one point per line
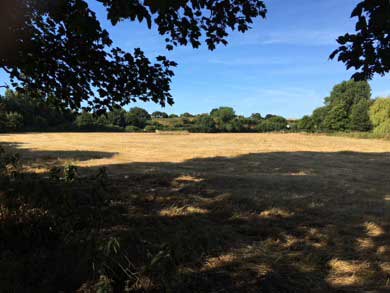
364 135
275 221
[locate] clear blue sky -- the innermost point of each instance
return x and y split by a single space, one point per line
281 66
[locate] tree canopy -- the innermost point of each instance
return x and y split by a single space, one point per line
346 108
368 50
58 47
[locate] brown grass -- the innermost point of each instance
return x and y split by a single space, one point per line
123 148
240 212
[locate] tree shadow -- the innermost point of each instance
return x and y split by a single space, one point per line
42 159
268 222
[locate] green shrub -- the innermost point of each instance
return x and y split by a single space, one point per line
150 128
131 128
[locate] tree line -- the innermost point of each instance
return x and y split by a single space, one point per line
23 111
349 107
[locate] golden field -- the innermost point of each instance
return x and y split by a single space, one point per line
116 149
241 212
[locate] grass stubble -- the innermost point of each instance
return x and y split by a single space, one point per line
232 212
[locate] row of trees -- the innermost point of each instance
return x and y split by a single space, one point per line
223 119
349 107
30 112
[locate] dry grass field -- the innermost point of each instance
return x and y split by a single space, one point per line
238 212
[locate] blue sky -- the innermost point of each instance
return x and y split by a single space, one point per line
281 66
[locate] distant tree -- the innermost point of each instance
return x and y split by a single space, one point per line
368 50
337 118
85 120
39 112
186 115
305 123
274 123
360 120
256 117
173 116
380 116
347 100
347 95
159 114
117 117
350 93
102 120
239 124
318 118
222 116
268 116
204 123
13 121
137 117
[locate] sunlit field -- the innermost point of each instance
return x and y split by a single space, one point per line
236 212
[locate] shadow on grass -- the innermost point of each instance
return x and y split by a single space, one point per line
43 159
268 222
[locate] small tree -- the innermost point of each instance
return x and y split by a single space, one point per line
137 117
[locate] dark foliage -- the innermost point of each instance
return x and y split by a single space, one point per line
159 114
59 47
368 50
